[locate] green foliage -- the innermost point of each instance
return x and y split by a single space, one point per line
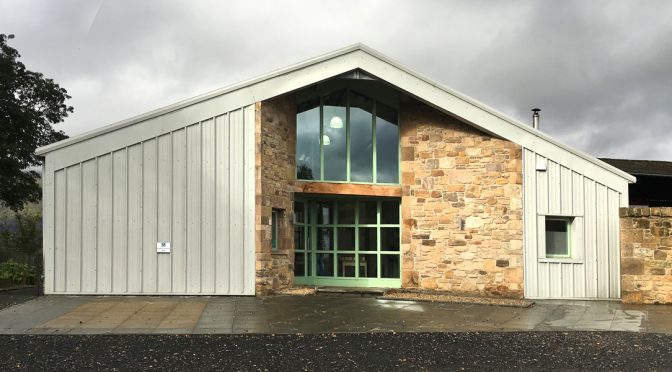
21 239
29 105
17 272
25 237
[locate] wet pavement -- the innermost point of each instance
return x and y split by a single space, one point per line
11 297
317 314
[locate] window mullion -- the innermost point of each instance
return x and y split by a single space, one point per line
378 250
347 134
373 139
321 138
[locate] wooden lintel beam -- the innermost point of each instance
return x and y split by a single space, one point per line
347 189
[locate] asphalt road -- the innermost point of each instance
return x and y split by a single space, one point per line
370 351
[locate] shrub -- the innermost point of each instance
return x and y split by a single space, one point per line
21 238
17 272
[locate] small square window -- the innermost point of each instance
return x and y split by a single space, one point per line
557 237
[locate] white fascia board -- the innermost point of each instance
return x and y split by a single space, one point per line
123 134
329 65
483 116
195 100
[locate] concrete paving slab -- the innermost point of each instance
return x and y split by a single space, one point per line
316 314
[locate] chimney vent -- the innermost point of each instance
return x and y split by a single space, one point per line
535 118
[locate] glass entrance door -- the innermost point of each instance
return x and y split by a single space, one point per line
347 242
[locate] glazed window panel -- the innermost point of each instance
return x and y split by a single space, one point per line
387 145
361 138
308 141
351 241
347 137
334 137
557 237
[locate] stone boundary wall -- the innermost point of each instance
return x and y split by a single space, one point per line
646 255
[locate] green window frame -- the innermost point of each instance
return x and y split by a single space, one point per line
350 266
558 233
376 106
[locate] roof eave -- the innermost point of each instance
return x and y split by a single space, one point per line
340 52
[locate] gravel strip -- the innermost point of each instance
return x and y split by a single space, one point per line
338 352
297 291
442 297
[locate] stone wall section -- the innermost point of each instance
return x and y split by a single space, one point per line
461 206
646 255
275 139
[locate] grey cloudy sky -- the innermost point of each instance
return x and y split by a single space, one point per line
600 70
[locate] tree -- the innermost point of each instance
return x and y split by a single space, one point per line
29 105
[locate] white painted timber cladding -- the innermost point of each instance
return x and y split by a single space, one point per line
193 186
594 269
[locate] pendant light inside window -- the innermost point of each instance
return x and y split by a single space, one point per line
336 122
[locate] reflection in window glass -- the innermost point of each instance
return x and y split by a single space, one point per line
324 264
325 213
389 212
557 242
387 144
334 137
346 265
308 141
346 213
367 266
389 265
361 138
299 264
389 239
325 239
367 239
368 212
299 241
346 238
299 215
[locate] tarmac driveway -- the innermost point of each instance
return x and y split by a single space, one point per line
316 314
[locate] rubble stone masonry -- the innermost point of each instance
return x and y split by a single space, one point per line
275 137
461 206
646 255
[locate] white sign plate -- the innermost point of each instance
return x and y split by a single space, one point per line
162 247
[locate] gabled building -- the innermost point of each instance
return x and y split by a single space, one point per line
347 170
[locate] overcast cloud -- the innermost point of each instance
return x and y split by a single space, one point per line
600 70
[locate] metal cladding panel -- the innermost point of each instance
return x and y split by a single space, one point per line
554 189
192 187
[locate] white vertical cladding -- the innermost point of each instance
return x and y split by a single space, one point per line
164 210
49 234
193 186
73 229
249 202
193 252
88 262
134 217
222 214
208 227
120 230
59 222
236 233
104 238
179 212
149 216
594 268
